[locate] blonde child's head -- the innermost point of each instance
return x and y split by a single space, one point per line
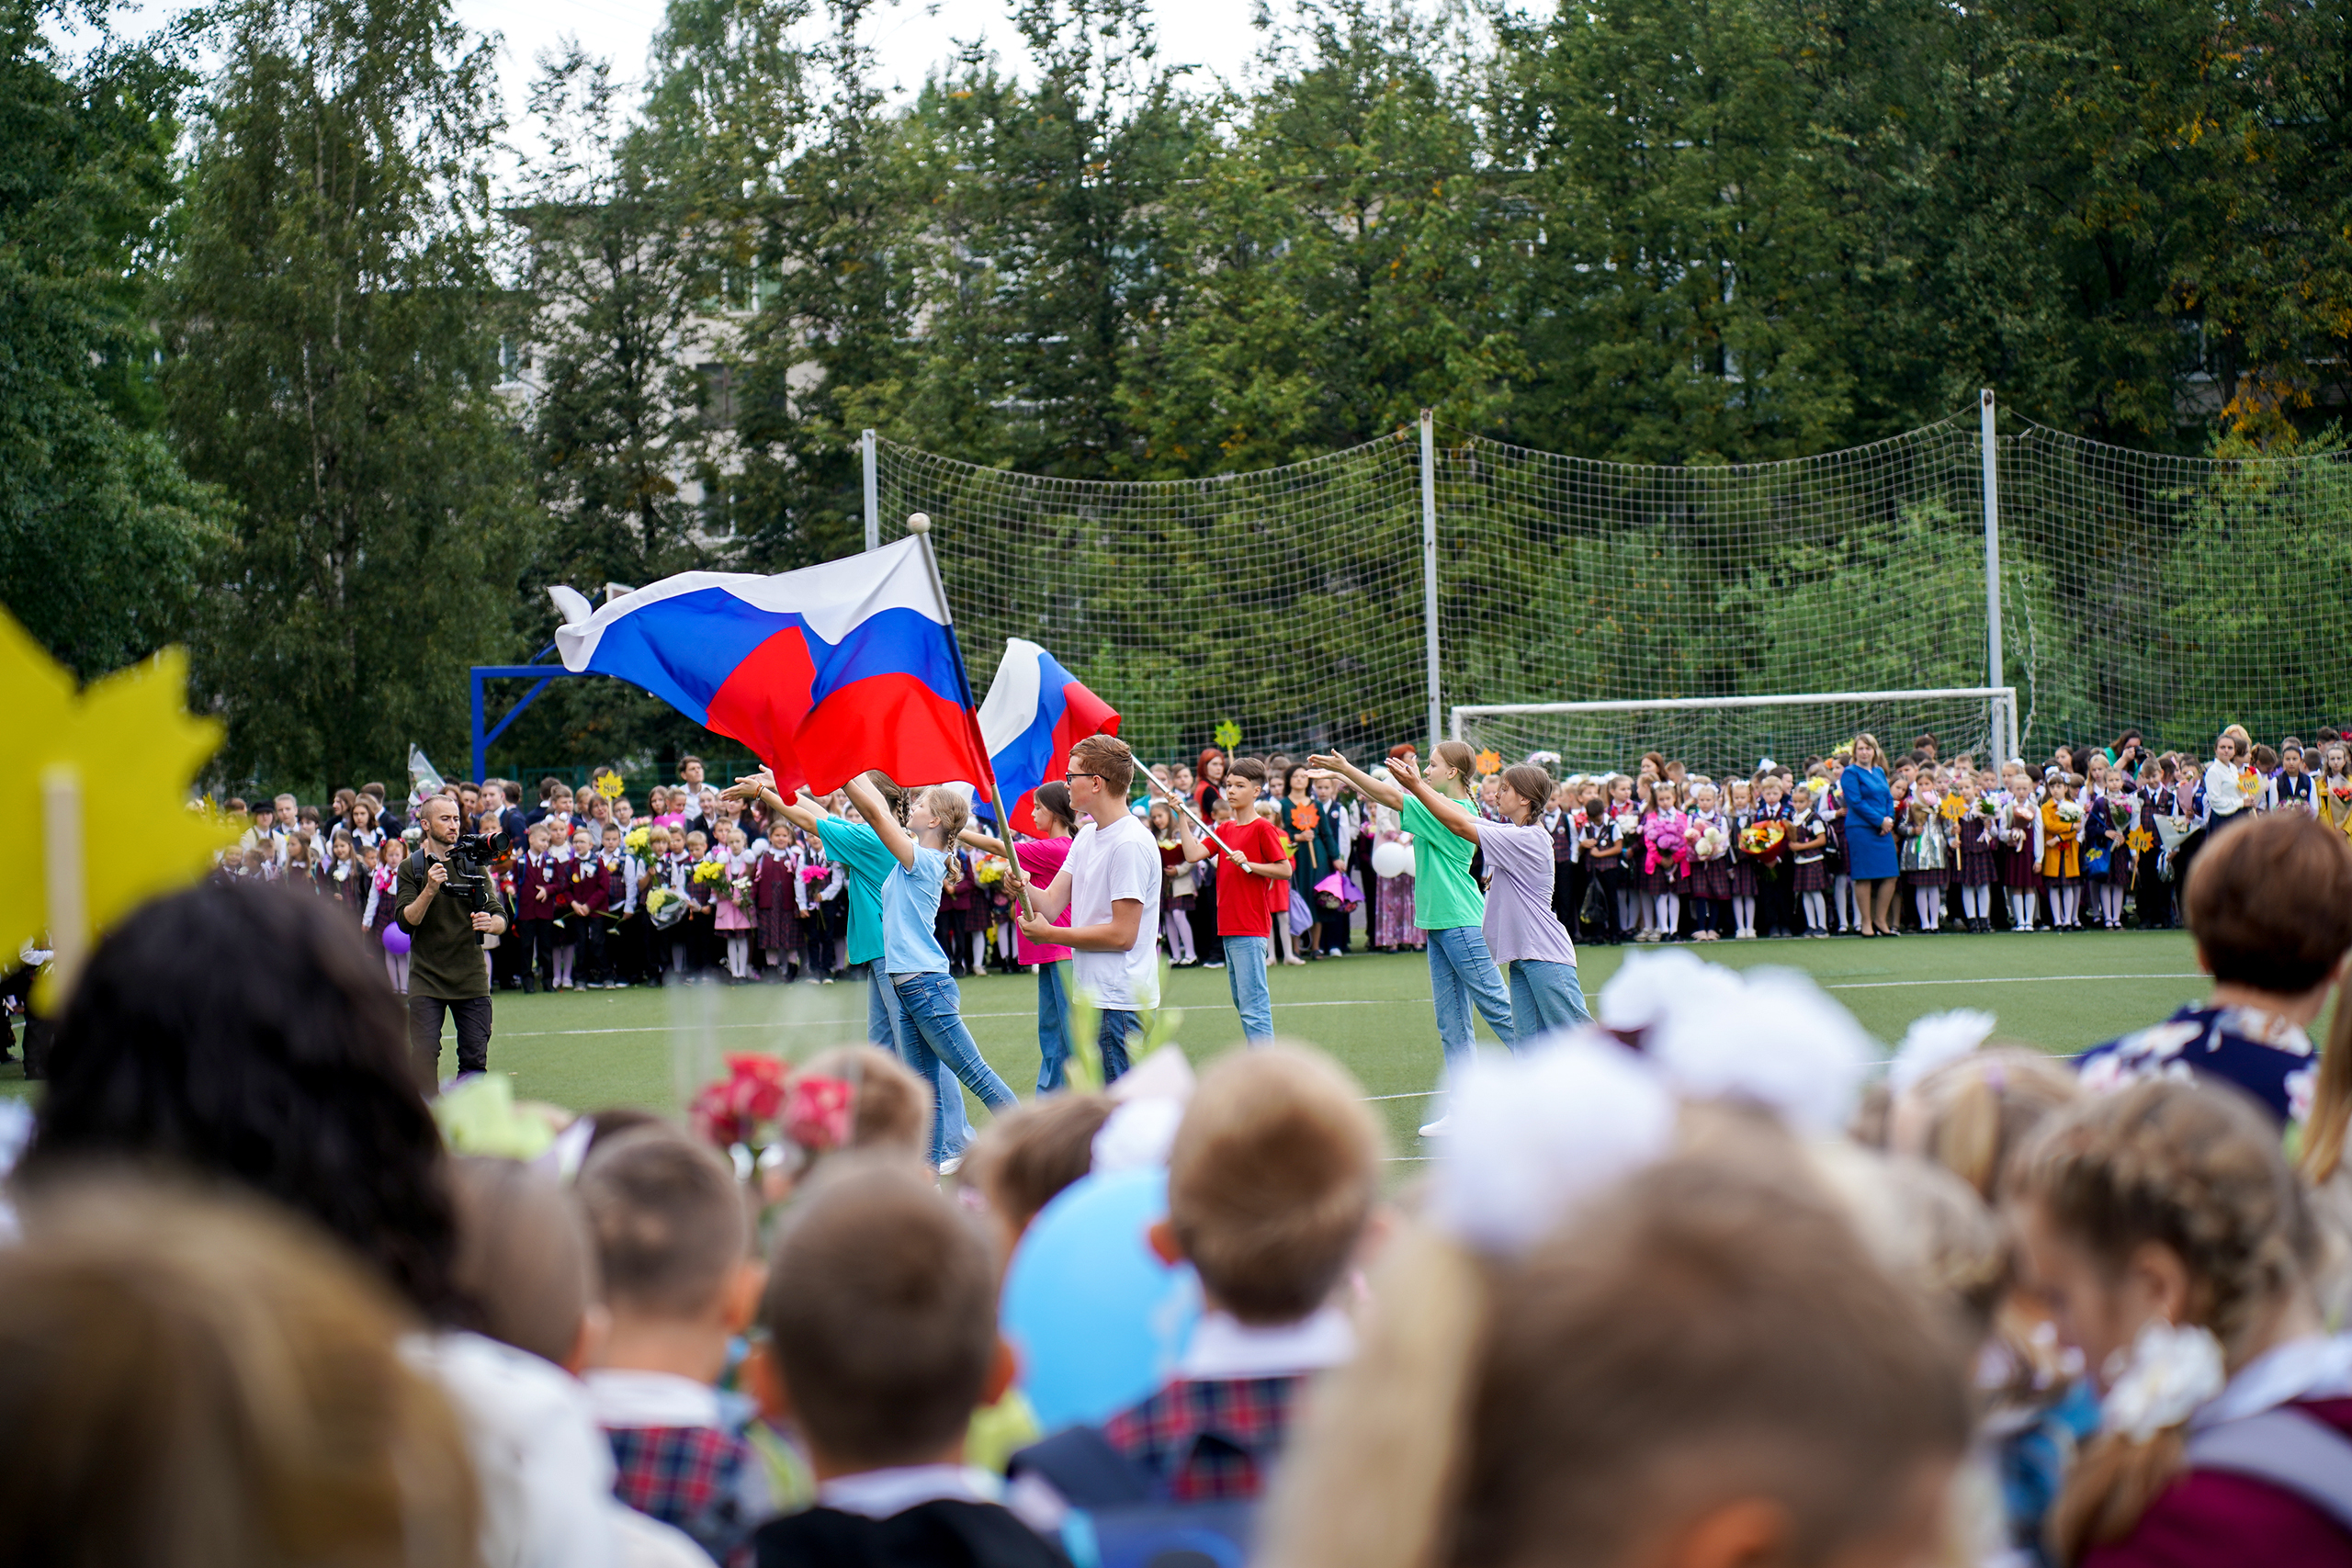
698 846
881 1316
2166 1199
1973 1114
672 1234
197 1380
525 1263
890 1107
1029 1154
1272 1176
1707 1349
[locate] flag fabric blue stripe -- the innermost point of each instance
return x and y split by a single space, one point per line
684 649
895 642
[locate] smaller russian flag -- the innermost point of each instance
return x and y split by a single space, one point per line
1034 713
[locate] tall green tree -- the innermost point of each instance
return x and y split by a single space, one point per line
1044 226
1334 254
334 323
103 536
622 403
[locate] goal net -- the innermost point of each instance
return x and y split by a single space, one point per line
2171 594
1729 737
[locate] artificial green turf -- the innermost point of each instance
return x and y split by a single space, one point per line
651 1047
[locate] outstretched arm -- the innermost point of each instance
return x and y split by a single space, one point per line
800 811
1408 773
1371 788
879 816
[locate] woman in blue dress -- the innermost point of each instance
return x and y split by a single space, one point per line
1870 835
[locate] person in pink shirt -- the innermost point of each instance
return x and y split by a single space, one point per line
1041 860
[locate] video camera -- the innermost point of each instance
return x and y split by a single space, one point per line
468 859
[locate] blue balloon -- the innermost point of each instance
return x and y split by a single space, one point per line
1097 1319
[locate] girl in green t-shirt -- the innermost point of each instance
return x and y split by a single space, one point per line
1447 905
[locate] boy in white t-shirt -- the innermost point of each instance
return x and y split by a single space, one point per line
1110 885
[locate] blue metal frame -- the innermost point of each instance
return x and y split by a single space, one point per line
535 670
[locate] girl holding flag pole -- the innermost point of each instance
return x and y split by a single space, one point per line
1447 904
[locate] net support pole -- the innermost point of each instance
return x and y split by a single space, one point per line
2004 719
873 493
1429 563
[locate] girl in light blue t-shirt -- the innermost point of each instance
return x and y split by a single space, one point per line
916 963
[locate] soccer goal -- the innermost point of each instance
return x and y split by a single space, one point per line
1729 736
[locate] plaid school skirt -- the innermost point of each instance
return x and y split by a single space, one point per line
1812 875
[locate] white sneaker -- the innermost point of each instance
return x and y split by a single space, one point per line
1439 1128
951 1165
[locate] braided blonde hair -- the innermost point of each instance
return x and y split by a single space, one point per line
2195 1168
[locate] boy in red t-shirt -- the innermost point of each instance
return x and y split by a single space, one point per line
1256 866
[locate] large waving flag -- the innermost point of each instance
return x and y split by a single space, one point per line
822 672
1034 713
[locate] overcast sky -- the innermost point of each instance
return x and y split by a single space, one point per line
911 37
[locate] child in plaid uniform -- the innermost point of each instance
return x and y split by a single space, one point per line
672 1236
881 1319
1274 1175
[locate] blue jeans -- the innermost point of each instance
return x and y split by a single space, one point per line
1462 976
1053 1029
885 1027
1111 1038
1245 976
1544 995
935 1037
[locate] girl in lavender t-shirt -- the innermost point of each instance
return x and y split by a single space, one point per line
1519 928
1041 860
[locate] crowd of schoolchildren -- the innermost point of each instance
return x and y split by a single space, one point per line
1693 1285
2091 839
696 885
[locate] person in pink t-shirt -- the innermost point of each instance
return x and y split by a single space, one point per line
1041 860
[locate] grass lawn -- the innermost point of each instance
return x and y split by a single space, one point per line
651 1047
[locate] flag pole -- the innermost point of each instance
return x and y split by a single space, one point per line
919 525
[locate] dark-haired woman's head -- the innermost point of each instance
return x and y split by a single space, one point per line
245 1034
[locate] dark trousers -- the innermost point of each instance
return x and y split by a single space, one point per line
592 931
472 1016
534 951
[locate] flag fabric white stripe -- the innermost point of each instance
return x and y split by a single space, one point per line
832 597
1011 705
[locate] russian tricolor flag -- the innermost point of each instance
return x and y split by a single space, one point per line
1034 713
822 672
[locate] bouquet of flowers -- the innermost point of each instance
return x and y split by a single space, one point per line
1710 844
739 888
1762 841
709 874
816 871
761 1100
1988 806
665 907
637 841
990 871
2341 790
1668 838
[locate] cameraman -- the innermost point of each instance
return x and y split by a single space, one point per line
445 917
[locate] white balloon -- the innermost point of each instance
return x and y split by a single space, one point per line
1392 859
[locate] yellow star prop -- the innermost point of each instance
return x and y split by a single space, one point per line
130 746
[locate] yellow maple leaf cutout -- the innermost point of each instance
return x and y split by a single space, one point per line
1489 762
131 744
